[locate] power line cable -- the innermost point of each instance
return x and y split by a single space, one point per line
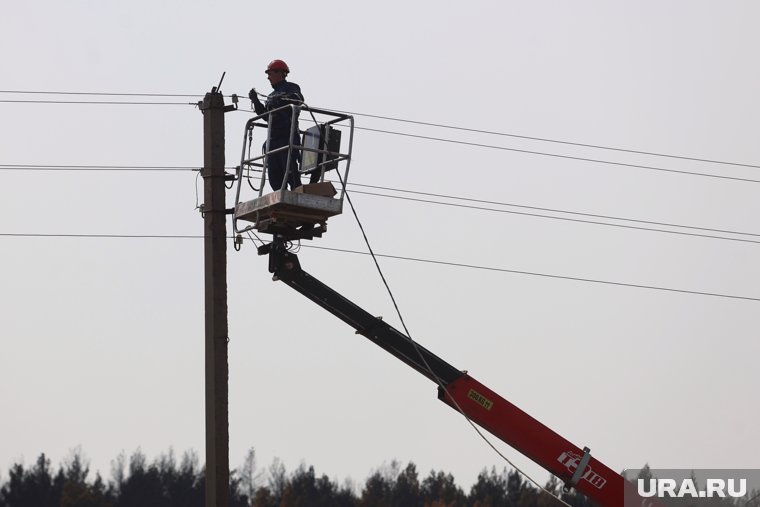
103 94
104 102
533 273
76 167
533 138
426 201
554 210
556 141
547 154
567 219
416 122
453 141
556 155
100 236
38 167
397 257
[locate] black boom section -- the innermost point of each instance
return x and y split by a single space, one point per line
286 268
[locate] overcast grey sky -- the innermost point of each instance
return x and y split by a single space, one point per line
102 339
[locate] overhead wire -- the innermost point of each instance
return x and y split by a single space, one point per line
399 257
185 168
104 102
38 167
549 140
413 122
395 119
102 94
480 208
100 236
454 141
557 155
534 273
577 220
99 167
424 123
515 212
554 210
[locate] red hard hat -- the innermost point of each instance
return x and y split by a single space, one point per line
277 65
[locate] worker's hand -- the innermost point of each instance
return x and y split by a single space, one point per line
253 96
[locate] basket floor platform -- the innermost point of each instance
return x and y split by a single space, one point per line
300 214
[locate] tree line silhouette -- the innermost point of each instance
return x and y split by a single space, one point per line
171 482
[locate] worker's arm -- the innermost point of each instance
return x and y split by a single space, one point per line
257 105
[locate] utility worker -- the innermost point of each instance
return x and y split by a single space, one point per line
284 93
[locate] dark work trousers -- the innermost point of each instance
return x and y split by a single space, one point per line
276 163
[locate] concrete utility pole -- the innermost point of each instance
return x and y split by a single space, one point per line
215 260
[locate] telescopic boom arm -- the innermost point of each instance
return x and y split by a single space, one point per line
571 464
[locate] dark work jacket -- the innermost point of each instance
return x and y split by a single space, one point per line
284 93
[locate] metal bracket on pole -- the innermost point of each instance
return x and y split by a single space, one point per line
578 474
233 106
228 211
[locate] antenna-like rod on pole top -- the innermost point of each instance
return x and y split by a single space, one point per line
218 88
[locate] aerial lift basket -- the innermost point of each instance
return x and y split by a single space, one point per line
301 213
